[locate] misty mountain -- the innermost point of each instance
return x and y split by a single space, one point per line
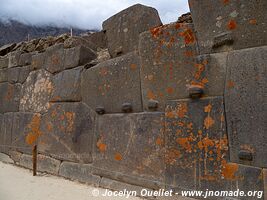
14 31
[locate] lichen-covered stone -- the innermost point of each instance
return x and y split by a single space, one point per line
36 92
18 74
130 148
68 132
123 29
168 64
67 86
112 83
9 97
38 61
54 58
229 25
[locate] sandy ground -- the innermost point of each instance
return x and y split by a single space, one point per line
19 184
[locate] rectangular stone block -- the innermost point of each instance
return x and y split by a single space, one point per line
197 154
54 58
97 38
79 172
196 142
18 74
245 105
130 148
67 132
38 61
14 58
225 25
123 29
113 83
78 56
9 97
67 86
3 75
3 62
44 163
19 131
168 63
25 59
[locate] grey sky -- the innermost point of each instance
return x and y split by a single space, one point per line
88 14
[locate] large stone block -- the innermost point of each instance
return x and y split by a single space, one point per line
113 83
168 63
197 155
98 38
44 163
14 58
18 74
123 29
9 97
3 75
54 58
67 132
3 62
25 59
38 61
19 131
226 25
67 85
130 148
245 106
79 172
36 92
78 56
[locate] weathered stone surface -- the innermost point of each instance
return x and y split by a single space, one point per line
44 163
245 104
67 132
38 61
36 92
168 63
25 59
15 155
265 183
123 29
196 142
243 20
67 86
112 83
19 131
14 59
5 158
18 74
98 38
78 56
3 62
54 58
9 97
3 75
197 154
80 172
129 148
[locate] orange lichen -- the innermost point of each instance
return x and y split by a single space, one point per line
253 21
10 93
208 108
188 36
182 110
155 32
189 53
229 170
232 25
55 60
133 66
35 132
170 90
208 122
70 119
185 143
151 95
170 114
159 141
230 84
171 156
118 157
226 1
101 146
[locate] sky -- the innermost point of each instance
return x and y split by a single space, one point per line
85 14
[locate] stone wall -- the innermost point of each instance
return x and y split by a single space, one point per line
141 104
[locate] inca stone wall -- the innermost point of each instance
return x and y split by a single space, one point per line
141 104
